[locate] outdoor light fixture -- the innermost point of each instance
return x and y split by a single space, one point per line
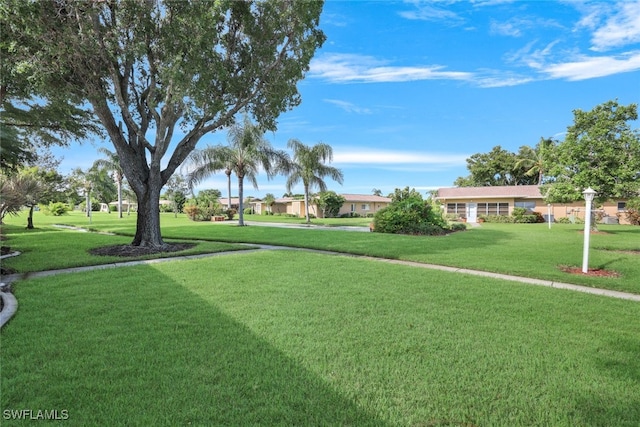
589 194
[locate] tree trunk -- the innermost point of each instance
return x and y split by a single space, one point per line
119 197
148 221
240 200
30 218
306 204
228 173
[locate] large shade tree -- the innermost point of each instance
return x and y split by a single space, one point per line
602 151
247 154
33 114
147 67
309 167
500 167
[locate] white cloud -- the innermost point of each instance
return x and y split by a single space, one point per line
387 157
585 67
348 106
510 28
430 12
620 29
348 68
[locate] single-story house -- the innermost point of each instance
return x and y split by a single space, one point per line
361 204
235 202
470 202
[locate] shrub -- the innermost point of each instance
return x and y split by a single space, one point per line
409 215
518 212
452 217
163 208
499 218
230 213
458 226
526 219
633 211
55 209
192 211
247 211
267 213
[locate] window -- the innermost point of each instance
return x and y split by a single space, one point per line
457 208
622 206
530 206
493 208
353 207
365 207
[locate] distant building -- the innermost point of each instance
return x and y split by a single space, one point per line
470 202
361 204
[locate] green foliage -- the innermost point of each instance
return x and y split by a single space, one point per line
458 226
633 211
408 213
55 209
399 195
192 211
600 151
502 167
330 202
230 213
517 212
203 208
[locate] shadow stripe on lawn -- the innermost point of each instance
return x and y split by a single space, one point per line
559 285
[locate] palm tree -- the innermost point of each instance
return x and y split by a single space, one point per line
246 154
269 200
533 159
309 168
17 191
112 163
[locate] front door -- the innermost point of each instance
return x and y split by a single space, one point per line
472 212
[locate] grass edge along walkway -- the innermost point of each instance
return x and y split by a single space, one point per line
539 282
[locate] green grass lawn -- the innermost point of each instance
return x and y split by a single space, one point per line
298 338
327 222
530 250
50 248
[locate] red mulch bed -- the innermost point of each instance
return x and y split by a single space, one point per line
592 272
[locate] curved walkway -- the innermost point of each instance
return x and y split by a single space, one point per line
11 304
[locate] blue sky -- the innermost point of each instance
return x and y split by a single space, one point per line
404 92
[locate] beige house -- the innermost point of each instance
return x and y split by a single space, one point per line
471 202
361 204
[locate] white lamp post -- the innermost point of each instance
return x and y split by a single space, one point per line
589 194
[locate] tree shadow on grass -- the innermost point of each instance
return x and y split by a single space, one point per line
623 408
119 352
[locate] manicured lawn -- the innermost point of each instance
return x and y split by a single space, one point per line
297 338
327 222
530 250
50 248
